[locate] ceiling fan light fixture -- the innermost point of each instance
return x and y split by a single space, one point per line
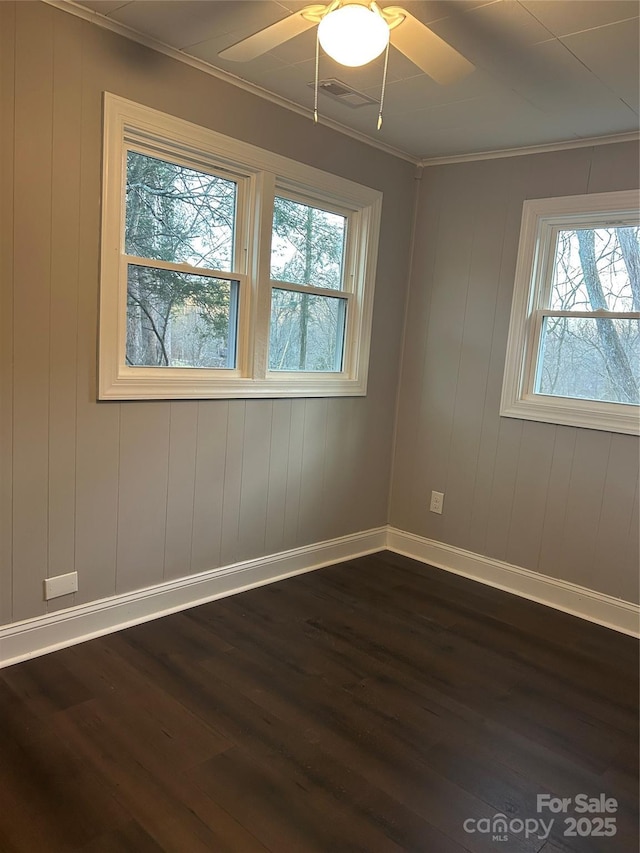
353 35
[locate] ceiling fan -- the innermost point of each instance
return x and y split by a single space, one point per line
354 32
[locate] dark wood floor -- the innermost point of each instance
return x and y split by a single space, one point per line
373 706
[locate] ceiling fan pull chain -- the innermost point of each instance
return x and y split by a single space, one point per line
384 83
315 98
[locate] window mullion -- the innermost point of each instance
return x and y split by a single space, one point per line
532 355
546 257
156 263
309 288
600 314
260 270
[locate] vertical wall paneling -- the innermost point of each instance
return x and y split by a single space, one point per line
7 101
181 465
633 554
294 469
142 494
486 239
254 490
550 548
155 489
444 342
97 425
530 492
372 503
211 442
311 509
351 457
278 467
517 182
607 173
584 507
619 517
545 497
65 247
407 492
32 272
230 535
503 486
338 461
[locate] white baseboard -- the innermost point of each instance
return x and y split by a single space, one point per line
42 634
571 598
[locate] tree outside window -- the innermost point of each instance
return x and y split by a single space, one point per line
595 358
307 248
183 217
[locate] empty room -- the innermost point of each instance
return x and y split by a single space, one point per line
319 418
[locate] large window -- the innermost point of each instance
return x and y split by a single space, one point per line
573 355
228 271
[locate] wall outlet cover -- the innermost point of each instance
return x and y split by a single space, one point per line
60 585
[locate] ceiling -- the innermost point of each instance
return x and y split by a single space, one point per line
547 71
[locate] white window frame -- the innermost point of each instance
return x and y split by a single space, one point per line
260 175
541 221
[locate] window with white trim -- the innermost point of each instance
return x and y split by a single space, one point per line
226 270
573 354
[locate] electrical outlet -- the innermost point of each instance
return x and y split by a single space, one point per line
60 585
437 500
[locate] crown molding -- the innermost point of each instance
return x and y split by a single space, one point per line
586 142
226 76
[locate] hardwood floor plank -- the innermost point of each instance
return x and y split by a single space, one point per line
130 838
51 800
372 706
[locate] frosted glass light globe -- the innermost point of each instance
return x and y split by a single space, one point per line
353 35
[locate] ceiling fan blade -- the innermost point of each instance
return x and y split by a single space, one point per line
427 50
265 40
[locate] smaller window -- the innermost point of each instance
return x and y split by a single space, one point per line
178 218
573 355
308 295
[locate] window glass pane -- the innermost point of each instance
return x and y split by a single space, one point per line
179 320
597 268
590 358
178 214
307 245
307 331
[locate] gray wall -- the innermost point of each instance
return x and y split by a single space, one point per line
129 494
554 499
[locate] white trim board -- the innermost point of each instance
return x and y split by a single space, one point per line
615 613
32 637
42 634
541 148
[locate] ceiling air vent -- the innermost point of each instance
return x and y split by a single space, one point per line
339 91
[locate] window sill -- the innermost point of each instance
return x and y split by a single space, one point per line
586 414
135 387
